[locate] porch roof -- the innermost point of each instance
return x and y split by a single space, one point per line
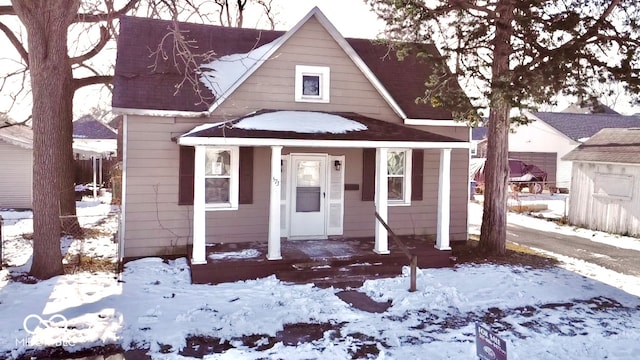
323 129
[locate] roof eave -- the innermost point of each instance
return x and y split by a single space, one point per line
535 118
25 144
229 141
163 113
435 122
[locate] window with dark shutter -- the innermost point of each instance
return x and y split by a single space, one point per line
369 174
186 175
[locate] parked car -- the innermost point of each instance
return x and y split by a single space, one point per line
521 175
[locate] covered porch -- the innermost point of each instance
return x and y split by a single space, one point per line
275 130
337 262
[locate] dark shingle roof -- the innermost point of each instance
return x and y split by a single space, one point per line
592 108
609 145
89 128
581 126
142 83
376 130
479 133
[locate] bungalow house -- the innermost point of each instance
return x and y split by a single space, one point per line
605 186
283 136
16 162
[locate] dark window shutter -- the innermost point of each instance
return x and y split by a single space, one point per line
186 175
187 163
417 168
246 176
368 174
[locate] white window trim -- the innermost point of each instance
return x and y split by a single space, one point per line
323 73
407 179
234 181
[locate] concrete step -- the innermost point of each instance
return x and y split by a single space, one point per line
329 273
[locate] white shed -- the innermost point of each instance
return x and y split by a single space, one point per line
16 162
605 186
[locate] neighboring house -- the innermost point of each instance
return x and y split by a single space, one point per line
304 130
605 189
551 135
93 138
16 162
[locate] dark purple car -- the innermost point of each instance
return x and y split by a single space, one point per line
521 174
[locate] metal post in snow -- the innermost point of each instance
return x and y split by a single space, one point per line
100 170
95 190
414 265
1 241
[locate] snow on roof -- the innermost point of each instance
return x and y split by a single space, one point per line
17 135
203 127
305 122
93 147
220 74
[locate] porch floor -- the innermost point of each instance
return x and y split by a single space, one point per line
338 262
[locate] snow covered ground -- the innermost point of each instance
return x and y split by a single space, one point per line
542 314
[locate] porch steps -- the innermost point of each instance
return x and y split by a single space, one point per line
298 267
347 273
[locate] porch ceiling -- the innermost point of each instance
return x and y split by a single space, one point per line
375 132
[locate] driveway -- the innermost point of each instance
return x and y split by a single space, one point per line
621 260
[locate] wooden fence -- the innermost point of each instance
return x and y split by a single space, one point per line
84 171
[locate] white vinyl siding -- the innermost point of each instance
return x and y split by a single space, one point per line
16 176
606 197
336 195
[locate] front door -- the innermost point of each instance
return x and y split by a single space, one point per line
308 196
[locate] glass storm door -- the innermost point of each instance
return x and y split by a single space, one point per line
308 196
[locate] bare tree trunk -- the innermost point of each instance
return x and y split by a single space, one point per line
493 232
47 24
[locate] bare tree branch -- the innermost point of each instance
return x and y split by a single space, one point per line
7 124
185 58
93 18
15 42
268 11
92 80
7 10
104 39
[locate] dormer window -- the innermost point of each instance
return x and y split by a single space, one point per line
312 84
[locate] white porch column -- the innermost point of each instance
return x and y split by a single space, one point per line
444 200
382 199
101 181
274 204
199 251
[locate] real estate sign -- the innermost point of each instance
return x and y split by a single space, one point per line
489 346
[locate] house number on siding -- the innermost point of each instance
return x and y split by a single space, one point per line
276 181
